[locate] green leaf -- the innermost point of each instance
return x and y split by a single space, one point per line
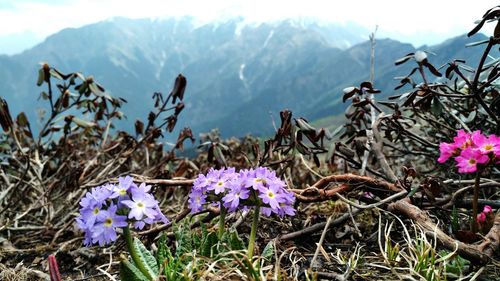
477 43
128 272
41 77
220 156
163 252
413 191
94 89
235 241
55 74
44 95
184 241
454 219
146 258
22 120
82 88
83 123
207 245
437 107
268 251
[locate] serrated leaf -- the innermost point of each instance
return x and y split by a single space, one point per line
184 241
129 272
268 251
146 258
235 241
208 243
163 252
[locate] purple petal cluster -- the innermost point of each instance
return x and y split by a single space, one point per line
244 190
108 207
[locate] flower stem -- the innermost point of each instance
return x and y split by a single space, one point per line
133 253
222 216
253 232
474 202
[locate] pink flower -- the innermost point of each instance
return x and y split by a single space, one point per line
468 160
463 139
481 217
447 150
487 209
487 144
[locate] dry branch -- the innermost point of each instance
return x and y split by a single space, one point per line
346 182
479 254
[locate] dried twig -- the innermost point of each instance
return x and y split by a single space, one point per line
476 254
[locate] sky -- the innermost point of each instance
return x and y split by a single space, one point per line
24 23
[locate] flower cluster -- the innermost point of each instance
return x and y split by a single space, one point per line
481 218
242 190
110 206
469 150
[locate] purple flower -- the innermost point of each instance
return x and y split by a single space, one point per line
258 178
221 180
266 211
286 209
270 196
90 216
87 241
202 182
142 188
238 191
121 190
242 191
142 204
105 232
98 214
96 197
196 200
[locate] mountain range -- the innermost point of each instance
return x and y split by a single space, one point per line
238 74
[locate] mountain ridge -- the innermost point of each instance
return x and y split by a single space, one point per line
235 72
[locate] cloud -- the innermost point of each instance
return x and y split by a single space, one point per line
397 17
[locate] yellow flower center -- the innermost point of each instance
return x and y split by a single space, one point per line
95 211
472 161
270 194
122 191
260 180
220 183
108 222
488 147
140 205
